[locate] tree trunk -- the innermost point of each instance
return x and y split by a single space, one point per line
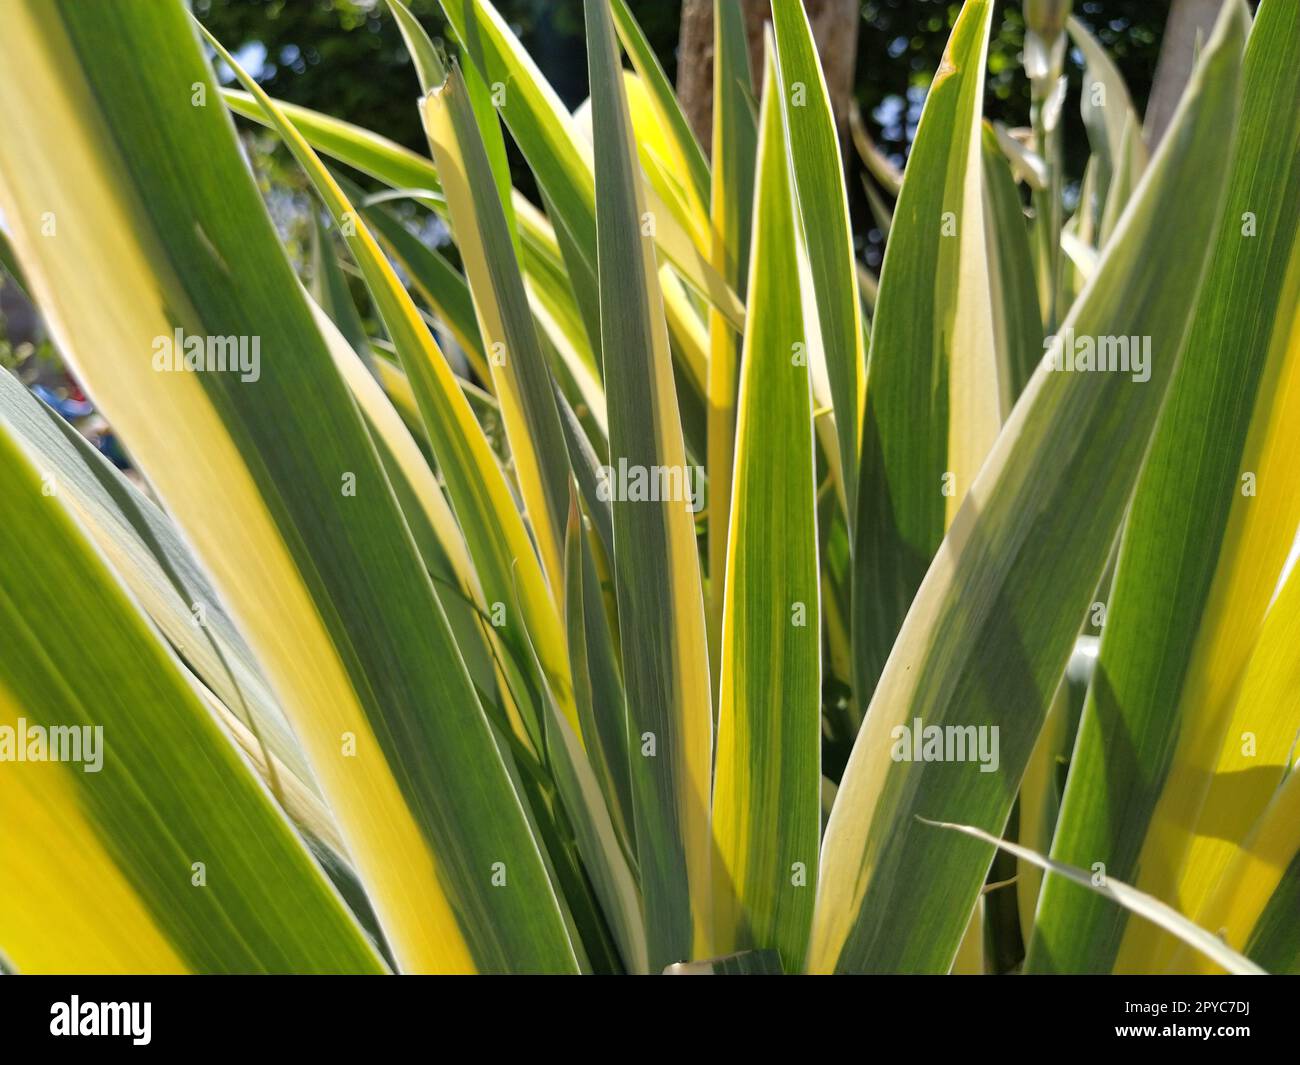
1188 20
835 29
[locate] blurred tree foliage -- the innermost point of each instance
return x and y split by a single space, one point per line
346 57
901 42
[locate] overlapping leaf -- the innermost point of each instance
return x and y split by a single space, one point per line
160 228
1212 524
987 639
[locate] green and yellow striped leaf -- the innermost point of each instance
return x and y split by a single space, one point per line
363 149
1212 523
438 284
116 776
329 288
656 562
148 554
766 797
428 515
524 387
597 840
1017 317
1253 907
430 68
1130 899
512 577
546 135
159 228
735 139
814 150
685 155
1259 750
993 624
933 403
414 177
598 689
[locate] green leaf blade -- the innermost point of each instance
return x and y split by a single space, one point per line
1201 554
814 147
767 793
933 403
656 563
993 624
